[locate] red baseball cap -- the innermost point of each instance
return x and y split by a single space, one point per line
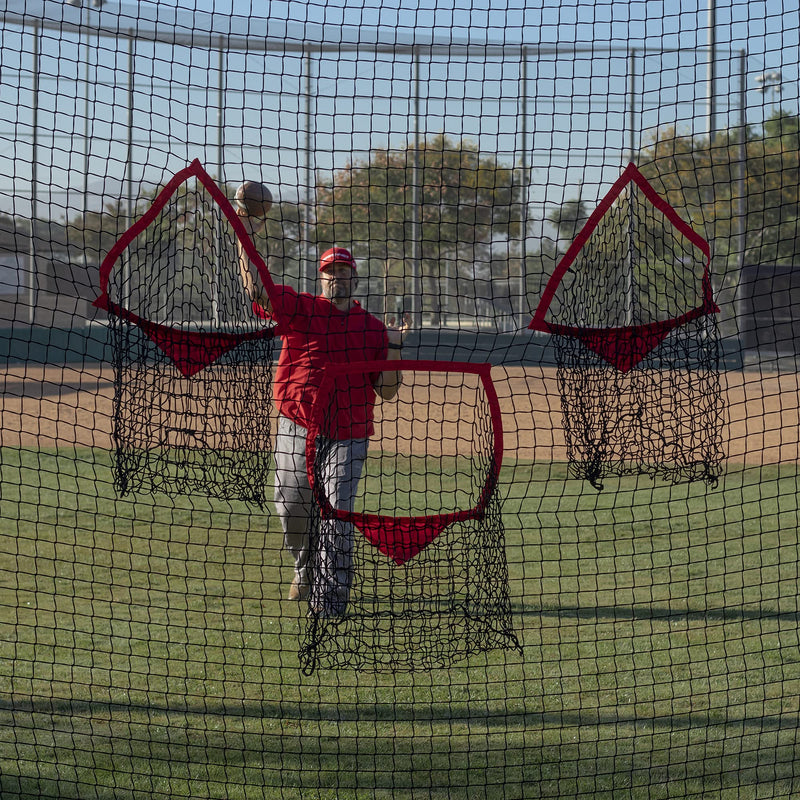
337 255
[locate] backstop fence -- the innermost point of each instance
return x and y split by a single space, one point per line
567 563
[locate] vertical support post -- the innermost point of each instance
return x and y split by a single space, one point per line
126 272
220 108
306 259
216 263
632 104
86 128
129 153
741 211
416 226
712 71
629 277
32 276
524 189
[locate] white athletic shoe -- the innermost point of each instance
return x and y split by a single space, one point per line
298 591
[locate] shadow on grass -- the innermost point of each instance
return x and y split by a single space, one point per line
165 755
654 613
489 715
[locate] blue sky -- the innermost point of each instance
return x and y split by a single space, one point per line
577 107
671 23
574 103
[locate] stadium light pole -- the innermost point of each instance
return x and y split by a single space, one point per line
769 81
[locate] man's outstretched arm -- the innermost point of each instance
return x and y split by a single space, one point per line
249 274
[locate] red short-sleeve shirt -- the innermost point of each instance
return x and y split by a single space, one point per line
314 334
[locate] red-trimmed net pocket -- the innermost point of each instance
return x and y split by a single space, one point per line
193 364
434 458
407 566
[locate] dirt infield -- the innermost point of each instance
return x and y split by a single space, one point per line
57 406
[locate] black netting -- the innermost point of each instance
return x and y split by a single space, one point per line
664 417
208 433
637 345
192 370
416 577
505 636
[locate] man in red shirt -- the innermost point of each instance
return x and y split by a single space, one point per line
329 328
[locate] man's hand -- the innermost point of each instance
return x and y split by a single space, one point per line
388 383
398 332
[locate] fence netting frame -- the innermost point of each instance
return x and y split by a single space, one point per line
648 615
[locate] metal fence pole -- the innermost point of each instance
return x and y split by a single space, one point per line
215 265
524 189
126 265
32 272
417 197
742 172
305 257
629 277
712 71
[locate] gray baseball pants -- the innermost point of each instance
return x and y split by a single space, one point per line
342 463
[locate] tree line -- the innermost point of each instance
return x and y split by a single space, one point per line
461 214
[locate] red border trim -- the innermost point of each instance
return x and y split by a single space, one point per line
195 169
217 340
630 174
429 526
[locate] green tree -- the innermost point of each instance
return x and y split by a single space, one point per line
185 262
742 194
287 237
90 235
704 186
466 199
773 193
568 219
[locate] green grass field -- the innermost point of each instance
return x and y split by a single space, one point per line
146 650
